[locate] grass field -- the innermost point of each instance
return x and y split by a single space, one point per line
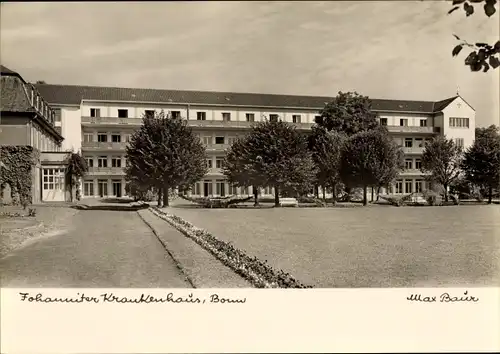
375 246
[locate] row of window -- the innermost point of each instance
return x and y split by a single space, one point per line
222 188
102 188
413 142
226 116
41 141
104 161
459 122
104 137
403 122
411 164
406 186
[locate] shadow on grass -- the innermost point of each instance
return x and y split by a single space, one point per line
117 200
111 207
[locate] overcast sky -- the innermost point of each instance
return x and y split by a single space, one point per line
399 50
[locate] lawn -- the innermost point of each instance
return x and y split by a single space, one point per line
375 246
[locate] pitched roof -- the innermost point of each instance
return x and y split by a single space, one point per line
13 97
73 95
6 71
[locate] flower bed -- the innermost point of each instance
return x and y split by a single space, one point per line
259 273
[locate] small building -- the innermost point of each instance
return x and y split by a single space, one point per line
27 120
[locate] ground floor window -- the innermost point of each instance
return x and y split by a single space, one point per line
408 186
233 190
244 190
102 188
88 188
399 187
207 188
220 188
418 186
53 178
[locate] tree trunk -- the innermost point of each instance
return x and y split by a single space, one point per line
378 193
316 191
348 193
324 195
165 196
365 199
490 194
445 192
255 196
334 193
372 194
276 196
70 192
160 195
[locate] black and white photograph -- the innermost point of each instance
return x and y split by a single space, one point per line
240 144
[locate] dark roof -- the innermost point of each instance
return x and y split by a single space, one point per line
6 71
440 105
13 97
73 95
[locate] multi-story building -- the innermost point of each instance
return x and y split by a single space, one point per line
27 120
99 121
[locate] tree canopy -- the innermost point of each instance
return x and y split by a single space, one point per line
442 159
481 162
348 113
273 154
370 159
164 153
76 168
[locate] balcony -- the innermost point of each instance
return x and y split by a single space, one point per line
106 171
219 124
100 146
413 172
217 147
112 121
410 129
415 150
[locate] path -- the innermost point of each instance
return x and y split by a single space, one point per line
102 249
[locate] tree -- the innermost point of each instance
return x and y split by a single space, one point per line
349 113
326 148
165 154
483 55
369 159
481 162
442 159
273 154
75 170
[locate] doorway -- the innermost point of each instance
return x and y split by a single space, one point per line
117 189
102 188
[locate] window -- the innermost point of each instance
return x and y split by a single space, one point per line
88 188
250 117
123 113
90 161
296 118
207 140
408 164
126 137
233 190
403 122
419 142
116 138
201 116
220 187
102 137
418 186
88 137
149 113
459 142
408 142
102 161
383 121
175 114
273 117
418 164
226 117
197 188
209 163
116 162
57 114
95 112
423 122
218 162
219 140
244 190
459 122
399 187
408 186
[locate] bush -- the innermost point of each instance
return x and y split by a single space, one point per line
432 197
149 196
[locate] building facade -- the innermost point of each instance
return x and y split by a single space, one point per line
26 119
100 120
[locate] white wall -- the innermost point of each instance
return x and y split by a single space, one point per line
459 109
71 128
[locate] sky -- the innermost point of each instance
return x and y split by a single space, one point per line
381 49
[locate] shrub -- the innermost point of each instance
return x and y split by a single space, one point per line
149 196
432 197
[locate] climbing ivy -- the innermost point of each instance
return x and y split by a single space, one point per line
16 170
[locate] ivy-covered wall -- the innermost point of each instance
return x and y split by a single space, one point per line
17 170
